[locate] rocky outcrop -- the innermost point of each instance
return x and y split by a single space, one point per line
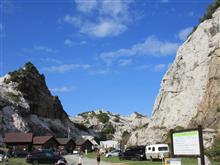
190 93
101 121
33 87
26 105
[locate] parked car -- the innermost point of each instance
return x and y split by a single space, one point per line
112 153
157 151
75 151
133 153
43 156
3 155
19 153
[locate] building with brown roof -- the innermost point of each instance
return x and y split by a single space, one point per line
45 142
84 144
19 142
66 144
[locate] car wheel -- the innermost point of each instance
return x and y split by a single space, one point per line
35 162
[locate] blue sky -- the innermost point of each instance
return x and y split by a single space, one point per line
109 54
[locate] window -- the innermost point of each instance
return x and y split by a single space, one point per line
149 148
48 154
153 149
163 148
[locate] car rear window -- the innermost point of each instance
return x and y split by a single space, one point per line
162 148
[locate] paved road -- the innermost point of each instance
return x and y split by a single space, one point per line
73 159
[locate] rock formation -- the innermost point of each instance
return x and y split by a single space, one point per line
118 126
190 90
27 105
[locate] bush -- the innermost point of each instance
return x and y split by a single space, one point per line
214 152
103 117
109 129
81 126
218 109
13 96
210 10
208 14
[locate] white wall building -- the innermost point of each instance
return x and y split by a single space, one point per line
109 144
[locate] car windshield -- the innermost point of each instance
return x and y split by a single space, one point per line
48 154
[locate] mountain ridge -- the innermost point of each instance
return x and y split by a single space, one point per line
27 105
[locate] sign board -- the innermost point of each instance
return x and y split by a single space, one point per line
172 161
186 143
175 162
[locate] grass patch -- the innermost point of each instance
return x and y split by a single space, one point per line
17 161
185 161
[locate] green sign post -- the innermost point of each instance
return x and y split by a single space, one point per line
187 143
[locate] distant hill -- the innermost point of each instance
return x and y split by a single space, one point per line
107 125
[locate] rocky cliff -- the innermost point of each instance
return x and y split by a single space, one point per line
190 90
27 105
109 125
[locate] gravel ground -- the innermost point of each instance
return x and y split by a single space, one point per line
73 159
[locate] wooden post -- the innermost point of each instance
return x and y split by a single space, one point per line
202 158
172 147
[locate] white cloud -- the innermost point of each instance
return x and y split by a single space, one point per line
44 49
151 46
159 67
101 18
124 62
103 28
66 67
63 89
51 60
182 35
39 48
104 71
68 42
86 6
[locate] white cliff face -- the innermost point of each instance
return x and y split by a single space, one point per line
190 93
185 85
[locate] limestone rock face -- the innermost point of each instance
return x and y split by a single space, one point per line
190 90
26 105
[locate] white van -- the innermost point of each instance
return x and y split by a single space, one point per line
157 151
